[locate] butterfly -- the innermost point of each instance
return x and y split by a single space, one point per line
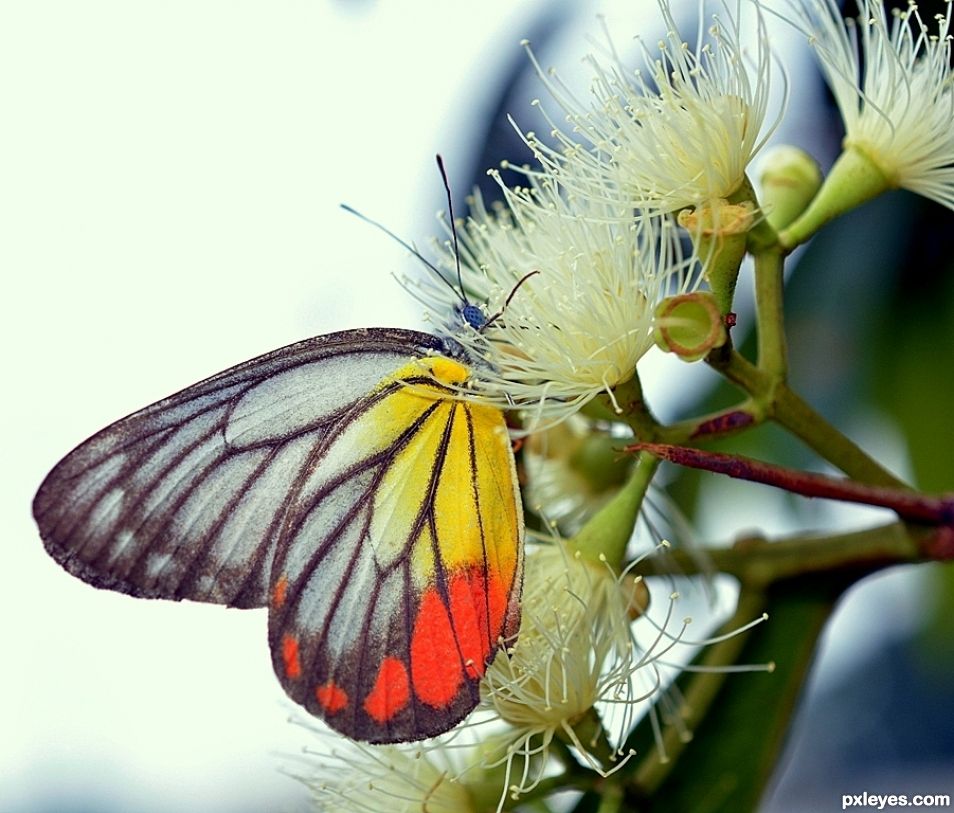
344 484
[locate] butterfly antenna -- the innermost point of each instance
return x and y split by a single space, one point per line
453 225
499 313
410 248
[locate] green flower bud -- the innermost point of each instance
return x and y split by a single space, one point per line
790 179
854 179
598 461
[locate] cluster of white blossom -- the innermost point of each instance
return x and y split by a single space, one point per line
594 219
676 133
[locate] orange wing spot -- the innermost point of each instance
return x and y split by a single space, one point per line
498 595
331 697
278 593
435 661
468 607
390 693
290 656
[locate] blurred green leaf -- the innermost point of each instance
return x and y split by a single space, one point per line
734 749
909 383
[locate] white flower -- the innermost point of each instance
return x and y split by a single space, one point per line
573 671
580 324
894 86
678 134
352 777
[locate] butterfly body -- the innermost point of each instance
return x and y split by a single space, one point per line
344 484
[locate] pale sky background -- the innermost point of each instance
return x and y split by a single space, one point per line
169 190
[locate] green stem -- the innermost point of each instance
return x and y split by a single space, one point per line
796 415
766 385
741 372
770 321
758 562
718 424
791 411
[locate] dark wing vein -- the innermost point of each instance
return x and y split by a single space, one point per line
157 523
345 577
362 647
44 504
300 513
143 492
471 447
199 546
410 610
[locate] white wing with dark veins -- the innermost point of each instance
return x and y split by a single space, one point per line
186 498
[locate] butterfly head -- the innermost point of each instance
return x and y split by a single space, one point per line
470 315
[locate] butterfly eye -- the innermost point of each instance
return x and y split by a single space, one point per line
473 315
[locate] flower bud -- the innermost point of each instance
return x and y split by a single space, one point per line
854 179
790 179
572 470
689 325
598 461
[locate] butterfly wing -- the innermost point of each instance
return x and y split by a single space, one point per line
398 572
185 498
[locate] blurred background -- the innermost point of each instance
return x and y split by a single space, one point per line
171 175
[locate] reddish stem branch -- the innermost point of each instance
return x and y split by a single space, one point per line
906 504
